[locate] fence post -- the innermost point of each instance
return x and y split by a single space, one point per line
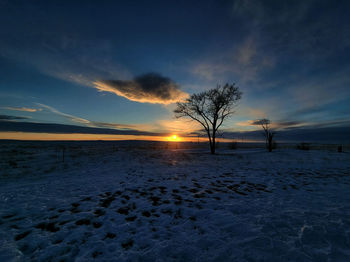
63 152
340 148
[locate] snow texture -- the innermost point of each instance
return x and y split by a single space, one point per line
109 202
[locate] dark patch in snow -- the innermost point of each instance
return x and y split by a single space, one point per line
96 254
126 197
83 221
167 211
155 200
99 212
127 244
146 213
51 227
110 235
107 201
123 210
64 222
130 219
97 224
22 235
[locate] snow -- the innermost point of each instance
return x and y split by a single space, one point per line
110 201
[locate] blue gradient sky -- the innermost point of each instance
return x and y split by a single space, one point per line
291 59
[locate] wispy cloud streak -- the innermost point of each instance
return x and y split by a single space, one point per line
23 109
68 116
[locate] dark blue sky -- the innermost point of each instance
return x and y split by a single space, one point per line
89 63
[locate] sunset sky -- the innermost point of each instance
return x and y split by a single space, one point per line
115 68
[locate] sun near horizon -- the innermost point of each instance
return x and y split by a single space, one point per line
174 138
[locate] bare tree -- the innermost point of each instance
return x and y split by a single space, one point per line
268 133
210 109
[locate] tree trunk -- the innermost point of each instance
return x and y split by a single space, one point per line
212 145
270 143
212 148
211 142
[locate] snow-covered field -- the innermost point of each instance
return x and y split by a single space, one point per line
116 203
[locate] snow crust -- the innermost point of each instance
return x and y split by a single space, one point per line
111 203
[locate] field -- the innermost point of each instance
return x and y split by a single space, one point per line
134 201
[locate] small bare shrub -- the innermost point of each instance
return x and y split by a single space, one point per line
340 148
12 163
268 133
233 145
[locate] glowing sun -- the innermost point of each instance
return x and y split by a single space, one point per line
174 138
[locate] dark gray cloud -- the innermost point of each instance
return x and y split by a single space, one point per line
258 122
305 134
7 117
148 88
285 125
314 134
10 126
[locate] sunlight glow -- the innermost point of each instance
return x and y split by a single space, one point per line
102 137
174 138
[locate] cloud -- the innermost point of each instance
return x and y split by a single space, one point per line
258 122
7 117
183 126
23 109
245 61
121 126
324 124
315 134
289 124
280 124
70 117
251 112
247 123
149 88
285 125
98 124
64 55
31 127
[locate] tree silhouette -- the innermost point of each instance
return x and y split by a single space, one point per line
268 133
210 109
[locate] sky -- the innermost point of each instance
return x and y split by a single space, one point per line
114 69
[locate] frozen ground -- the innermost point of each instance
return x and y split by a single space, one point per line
114 203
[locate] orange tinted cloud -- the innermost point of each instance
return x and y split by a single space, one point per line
24 109
149 88
178 126
245 123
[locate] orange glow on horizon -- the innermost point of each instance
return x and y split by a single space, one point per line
82 137
75 137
